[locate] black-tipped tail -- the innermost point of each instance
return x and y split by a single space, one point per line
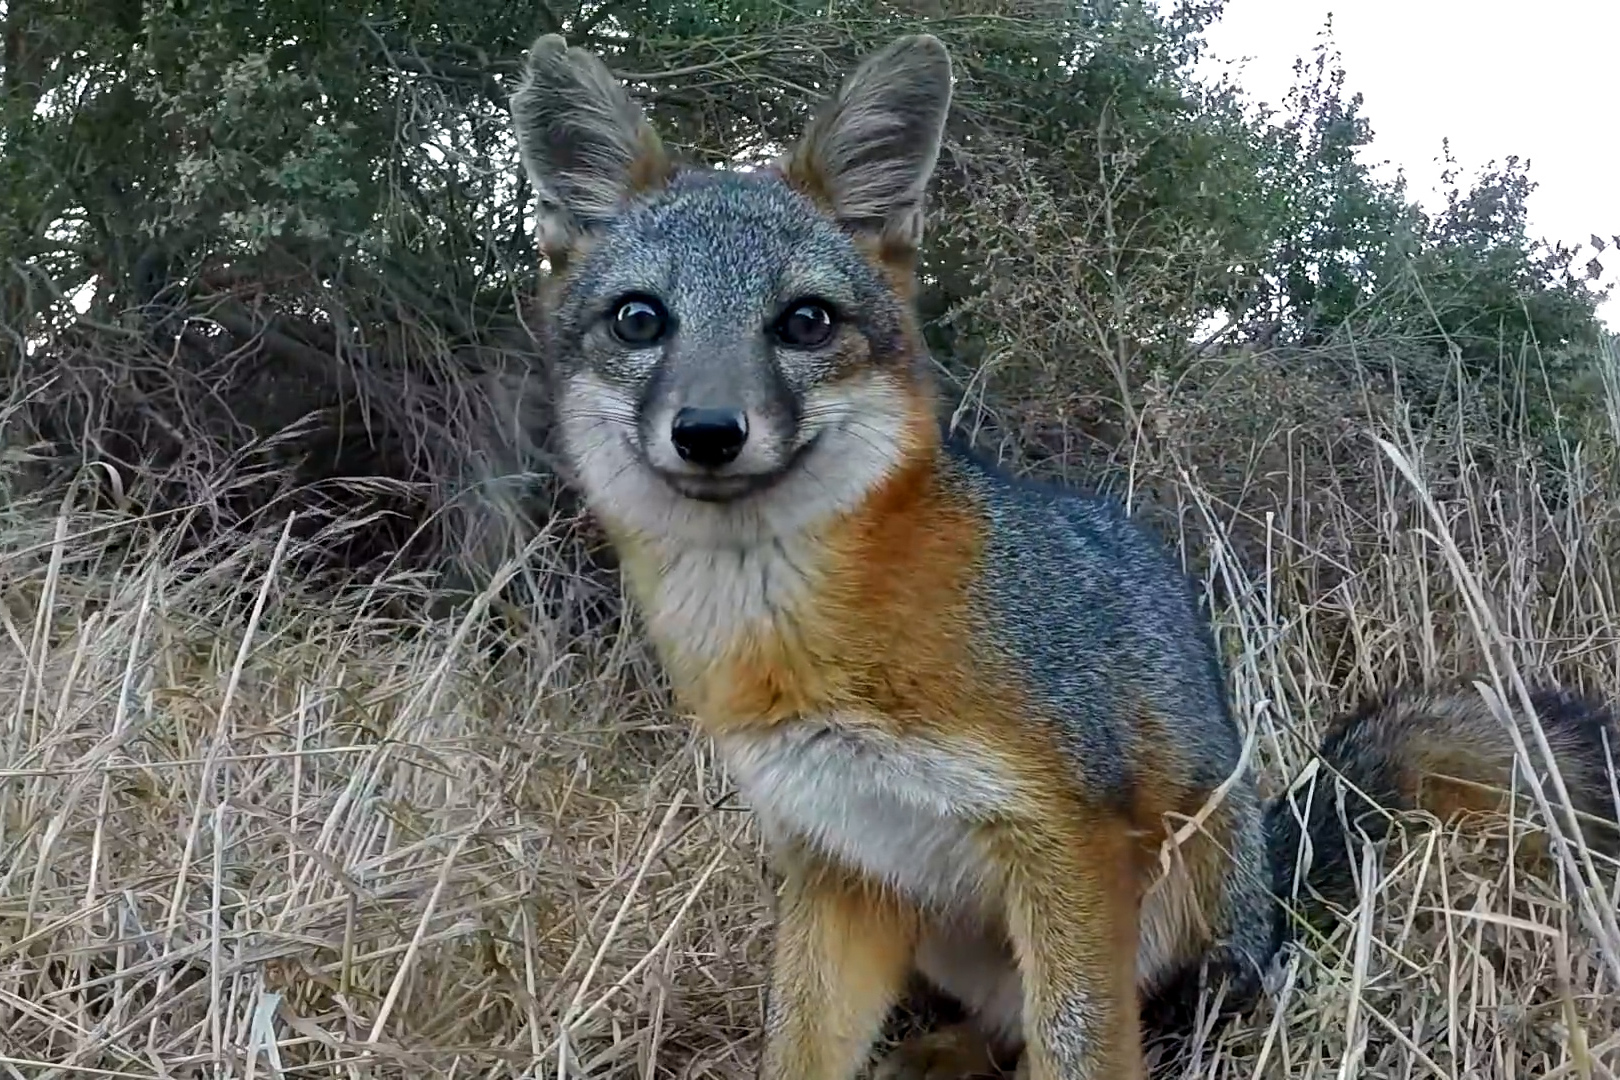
1440 751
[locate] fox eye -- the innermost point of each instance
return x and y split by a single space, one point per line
640 321
808 324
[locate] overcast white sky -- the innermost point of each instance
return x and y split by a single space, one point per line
1537 80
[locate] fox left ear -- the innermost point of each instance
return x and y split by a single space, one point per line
868 155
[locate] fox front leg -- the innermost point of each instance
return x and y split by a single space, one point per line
1072 914
844 949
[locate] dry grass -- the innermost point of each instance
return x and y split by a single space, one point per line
247 830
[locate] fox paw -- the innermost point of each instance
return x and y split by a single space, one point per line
956 1052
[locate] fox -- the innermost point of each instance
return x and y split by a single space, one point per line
971 712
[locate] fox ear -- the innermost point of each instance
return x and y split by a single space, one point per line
868 155
586 146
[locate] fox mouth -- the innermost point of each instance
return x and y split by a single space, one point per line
726 488
718 489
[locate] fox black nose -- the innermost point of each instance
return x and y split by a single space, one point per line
709 437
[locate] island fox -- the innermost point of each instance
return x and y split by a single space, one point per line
966 710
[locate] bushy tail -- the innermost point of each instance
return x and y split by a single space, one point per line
1440 751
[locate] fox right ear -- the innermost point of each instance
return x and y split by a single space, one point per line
586 147
868 155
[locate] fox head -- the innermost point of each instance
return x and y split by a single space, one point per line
736 352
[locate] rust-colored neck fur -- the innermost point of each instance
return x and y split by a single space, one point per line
891 579
878 619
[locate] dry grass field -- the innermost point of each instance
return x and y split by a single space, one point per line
250 830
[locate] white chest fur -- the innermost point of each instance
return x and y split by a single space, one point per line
904 812
703 597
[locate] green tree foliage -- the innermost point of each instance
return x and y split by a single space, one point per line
287 242
1467 289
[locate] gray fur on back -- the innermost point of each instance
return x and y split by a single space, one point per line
1106 625
1106 629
